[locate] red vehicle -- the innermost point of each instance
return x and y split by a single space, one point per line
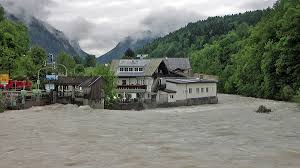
17 85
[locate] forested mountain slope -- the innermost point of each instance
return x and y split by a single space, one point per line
49 38
119 50
195 35
253 59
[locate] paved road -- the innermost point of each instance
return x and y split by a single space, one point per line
226 135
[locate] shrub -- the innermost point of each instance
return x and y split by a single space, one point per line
2 108
263 109
297 97
287 93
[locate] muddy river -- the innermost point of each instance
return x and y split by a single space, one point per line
227 135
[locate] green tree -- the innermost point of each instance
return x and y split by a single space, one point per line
79 70
25 68
109 76
2 14
14 43
66 60
129 54
38 55
194 36
297 97
90 61
258 61
78 59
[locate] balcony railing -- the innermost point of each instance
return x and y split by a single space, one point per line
132 87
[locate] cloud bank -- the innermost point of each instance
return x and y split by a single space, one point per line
99 25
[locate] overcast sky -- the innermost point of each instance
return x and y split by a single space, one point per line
100 24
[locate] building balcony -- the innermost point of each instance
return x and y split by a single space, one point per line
132 88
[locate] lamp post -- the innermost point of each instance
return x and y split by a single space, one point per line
39 82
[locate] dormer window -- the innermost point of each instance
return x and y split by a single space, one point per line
141 69
136 69
121 69
130 69
126 69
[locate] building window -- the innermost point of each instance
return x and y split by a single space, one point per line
121 69
171 96
198 90
190 90
130 69
123 82
202 90
206 90
136 69
126 69
141 69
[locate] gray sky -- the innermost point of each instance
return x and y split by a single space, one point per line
100 24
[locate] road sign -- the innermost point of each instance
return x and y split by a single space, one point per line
4 78
51 77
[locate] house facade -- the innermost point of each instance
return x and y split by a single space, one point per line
167 80
137 79
80 90
187 91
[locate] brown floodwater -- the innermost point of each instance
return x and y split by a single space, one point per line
227 135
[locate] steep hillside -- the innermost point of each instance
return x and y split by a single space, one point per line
49 38
195 35
255 54
122 46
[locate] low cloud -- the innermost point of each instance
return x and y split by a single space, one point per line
165 20
99 25
256 4
27 8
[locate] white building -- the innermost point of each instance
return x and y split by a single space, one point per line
137 79
181 90
161 80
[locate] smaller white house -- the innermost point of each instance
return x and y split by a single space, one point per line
185 90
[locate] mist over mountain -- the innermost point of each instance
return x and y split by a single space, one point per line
52 40
134 42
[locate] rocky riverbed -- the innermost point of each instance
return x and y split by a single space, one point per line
227 135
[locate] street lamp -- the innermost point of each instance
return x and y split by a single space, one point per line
39 82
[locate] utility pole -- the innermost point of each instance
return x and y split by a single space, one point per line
53 66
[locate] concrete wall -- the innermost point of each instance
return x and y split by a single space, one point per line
151 105
183 90
163 97
95 104
191 102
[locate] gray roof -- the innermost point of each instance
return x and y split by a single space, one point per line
169 91
82 81
187 81
133 63
149 65
178 63
67 80
90 81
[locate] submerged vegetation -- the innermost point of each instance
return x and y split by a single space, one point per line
297 97
254 54
2 108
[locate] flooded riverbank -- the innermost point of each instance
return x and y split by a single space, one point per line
229 134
